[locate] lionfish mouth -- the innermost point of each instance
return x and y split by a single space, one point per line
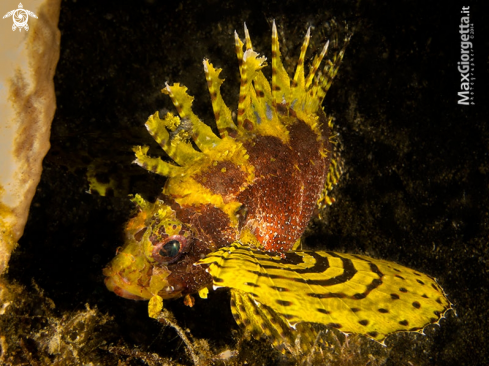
134 285
119 291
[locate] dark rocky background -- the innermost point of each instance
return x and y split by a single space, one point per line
414 191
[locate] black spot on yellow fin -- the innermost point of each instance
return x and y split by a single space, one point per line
352 293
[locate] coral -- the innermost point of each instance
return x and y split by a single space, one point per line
27 105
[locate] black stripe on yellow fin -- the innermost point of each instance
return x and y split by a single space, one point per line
352 293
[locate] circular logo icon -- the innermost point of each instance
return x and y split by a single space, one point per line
20 17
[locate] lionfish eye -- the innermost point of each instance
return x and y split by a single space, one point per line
169 250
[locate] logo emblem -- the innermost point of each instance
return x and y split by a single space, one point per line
20 17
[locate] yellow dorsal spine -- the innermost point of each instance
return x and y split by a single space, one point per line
222 113
315 65
156 165
280 78
261 108
330 70
275 57
251 106
176 147
298 80
248 39
201 134
244 82
260 89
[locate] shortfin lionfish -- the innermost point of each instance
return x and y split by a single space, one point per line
236 204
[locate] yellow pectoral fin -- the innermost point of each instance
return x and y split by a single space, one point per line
352 293
258 320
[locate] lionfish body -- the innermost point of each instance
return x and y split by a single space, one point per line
242 200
